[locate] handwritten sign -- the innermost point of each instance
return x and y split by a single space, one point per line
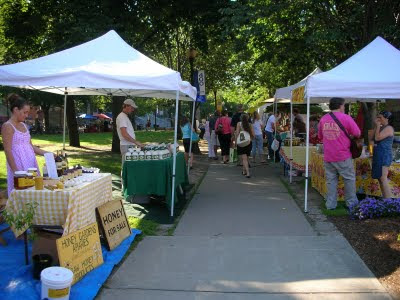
114 223
298 95
80 251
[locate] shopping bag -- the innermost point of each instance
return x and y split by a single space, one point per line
233 157
275 145
195 137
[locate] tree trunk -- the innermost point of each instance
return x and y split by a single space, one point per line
116 109
179 134
215 99
72 123
46 112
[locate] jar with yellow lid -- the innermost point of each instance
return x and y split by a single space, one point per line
32 171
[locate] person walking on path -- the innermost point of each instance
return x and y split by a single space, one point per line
213 135
187 131
382 155
207 137
125 130
257 144
235 120
244 150
270 129
18 147
223 128
337 156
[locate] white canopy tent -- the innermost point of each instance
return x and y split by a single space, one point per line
104 66
286 92
370 74
284 95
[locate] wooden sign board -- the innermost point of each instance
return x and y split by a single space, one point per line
298 95
80 251
114 222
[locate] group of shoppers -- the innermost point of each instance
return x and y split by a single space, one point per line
338 157
239 130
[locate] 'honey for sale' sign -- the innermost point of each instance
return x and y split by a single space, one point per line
80 251
114 223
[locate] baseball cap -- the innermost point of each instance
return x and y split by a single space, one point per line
131 103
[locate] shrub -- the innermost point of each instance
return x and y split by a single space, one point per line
370 208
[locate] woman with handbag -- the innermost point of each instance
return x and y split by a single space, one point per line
187 132
223 129
382 155
245 134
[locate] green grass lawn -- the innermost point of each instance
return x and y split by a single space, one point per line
95 151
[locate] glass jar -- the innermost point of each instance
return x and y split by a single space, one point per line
149 155
23 180
141 155
128 156
32 171
135 156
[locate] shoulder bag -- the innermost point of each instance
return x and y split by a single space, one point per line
243 138
356 144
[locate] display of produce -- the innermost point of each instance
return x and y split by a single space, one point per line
149 152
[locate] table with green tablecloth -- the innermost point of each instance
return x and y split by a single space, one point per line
154 177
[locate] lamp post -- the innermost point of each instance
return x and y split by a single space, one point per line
191 54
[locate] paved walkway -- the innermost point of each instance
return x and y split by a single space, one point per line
243 239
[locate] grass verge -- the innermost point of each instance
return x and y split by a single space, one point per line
341 210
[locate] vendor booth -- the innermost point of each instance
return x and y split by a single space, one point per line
104 66
369 75
293 158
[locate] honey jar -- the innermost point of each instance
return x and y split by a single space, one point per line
23 180
32 171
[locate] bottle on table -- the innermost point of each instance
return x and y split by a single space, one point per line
65 160
45 173
59 164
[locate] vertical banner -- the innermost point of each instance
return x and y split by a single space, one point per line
200 84
219 105
298 95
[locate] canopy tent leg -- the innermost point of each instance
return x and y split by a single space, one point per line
65 116
191 136
274 112
174 153
291 140
307 154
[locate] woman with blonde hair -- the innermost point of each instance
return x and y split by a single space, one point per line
257 144
244 134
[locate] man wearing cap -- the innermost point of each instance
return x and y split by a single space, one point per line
125 130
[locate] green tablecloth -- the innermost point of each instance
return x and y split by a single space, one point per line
154 177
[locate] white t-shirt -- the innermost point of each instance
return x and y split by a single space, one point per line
269 124
257 127
123 121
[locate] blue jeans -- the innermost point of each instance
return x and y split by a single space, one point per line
257 145
270 137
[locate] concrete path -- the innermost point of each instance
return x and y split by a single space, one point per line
229 204
243 239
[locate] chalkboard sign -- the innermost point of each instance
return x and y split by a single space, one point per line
80 251
114 223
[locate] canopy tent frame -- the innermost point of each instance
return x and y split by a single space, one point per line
116 69
356 80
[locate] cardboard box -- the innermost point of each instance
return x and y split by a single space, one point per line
45 243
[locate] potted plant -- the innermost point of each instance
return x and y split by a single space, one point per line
21 222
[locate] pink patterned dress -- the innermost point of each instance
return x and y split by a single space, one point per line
23 154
